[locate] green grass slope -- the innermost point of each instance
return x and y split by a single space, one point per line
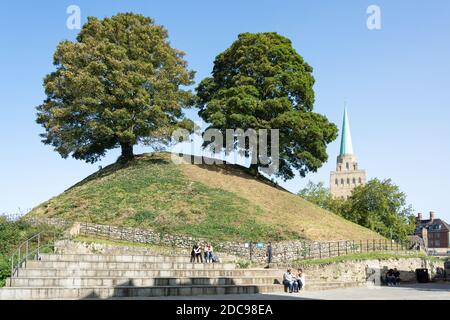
216 202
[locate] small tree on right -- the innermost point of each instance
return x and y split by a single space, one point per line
380 206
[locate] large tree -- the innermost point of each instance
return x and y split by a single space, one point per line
118 84
261 82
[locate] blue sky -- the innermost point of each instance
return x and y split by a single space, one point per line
395 80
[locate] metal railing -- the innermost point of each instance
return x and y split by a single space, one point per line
29 249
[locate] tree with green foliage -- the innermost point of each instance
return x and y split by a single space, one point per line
381 206
120 83
261 82
317 194
377 205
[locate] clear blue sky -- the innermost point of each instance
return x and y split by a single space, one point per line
395 80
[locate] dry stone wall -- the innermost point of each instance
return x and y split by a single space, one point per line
282 251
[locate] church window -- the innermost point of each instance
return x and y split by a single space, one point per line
360 181
342 181
348 180
355 167
354 181
337 181
347 166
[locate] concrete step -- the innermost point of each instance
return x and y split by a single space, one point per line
143 273
9 293
318 286
113 258
126 265
140 282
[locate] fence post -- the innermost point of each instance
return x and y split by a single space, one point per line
373 244
26 252
346 247
385 244
250 250
329 249
12 269
360 246
339 252
367 245
39 245
320 250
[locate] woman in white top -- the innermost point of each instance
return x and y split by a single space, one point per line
300 279
208 253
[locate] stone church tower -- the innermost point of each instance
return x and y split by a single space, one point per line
347 175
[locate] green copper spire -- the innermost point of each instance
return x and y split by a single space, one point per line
346 138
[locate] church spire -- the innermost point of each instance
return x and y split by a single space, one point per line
346 138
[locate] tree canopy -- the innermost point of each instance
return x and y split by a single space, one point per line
118 84
378 205
261 82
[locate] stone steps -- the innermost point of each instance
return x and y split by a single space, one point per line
130 291
119 276
154 291
143 273
140 282
126 265
113 258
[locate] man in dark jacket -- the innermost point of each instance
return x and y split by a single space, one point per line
269 253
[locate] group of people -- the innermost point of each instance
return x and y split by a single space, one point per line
294 281
201 253
393 277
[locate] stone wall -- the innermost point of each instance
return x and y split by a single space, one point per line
283 251
369 272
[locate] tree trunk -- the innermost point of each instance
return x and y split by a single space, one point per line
127 152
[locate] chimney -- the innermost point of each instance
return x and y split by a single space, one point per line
419 216
432 216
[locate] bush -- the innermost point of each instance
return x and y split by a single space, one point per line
12 233
243 264
5 269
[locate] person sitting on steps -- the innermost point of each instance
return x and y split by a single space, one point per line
396 275
300 278
194 247
208 253
289 281
390 278
198 253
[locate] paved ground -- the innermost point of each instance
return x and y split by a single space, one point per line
432 291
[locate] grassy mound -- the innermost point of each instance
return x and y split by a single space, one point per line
216 202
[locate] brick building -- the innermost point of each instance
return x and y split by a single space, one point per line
435 232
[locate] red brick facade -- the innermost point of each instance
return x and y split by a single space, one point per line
437 229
